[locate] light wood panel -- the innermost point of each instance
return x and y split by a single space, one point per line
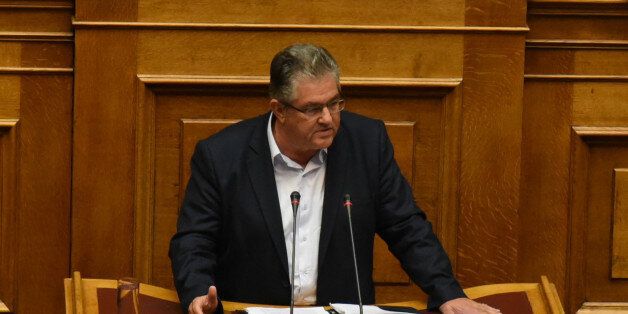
600 103
545 181
576 60
197 52
495 13
36 57
575 74
490 159
44 190
104 148
396 12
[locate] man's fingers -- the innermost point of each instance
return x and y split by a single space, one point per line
212 300
196 307
488 309
464 305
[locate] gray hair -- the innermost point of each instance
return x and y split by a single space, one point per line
296 62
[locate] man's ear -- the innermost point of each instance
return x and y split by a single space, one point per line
278 110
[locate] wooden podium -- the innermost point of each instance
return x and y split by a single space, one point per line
87 296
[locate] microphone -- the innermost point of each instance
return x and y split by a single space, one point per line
347 204
295 199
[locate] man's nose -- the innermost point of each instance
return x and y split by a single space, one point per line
325 116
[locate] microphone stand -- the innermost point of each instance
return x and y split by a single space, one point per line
295 199
348 205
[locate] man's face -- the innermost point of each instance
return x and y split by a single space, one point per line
309 134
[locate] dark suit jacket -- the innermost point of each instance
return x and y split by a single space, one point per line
230 232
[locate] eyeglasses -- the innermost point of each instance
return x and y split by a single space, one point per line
315 111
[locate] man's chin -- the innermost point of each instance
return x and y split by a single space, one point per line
324 143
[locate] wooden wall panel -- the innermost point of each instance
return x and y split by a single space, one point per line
504 169
396 12
576 76
10 92
606 149
183 114
585 27
600 103
494 13
492 113
44 191
545 182
36 83
490 144
403 65
9 149
35 20
195 52
619 240
113 10
47 54
104 154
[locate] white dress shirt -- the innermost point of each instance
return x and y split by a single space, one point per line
309 181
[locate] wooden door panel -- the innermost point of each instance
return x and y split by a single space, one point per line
605 245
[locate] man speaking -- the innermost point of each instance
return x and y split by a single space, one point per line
235 227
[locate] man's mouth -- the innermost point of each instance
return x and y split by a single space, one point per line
325 131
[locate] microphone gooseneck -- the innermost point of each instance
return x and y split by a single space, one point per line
347 204
295 199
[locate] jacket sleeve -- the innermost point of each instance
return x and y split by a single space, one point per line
404 227
193 249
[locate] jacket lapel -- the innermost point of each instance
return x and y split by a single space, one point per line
262 178
337 157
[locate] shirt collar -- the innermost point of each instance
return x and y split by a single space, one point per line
277 156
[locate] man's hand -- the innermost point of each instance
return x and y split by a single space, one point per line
205 304
467 306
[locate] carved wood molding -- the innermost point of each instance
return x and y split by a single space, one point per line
449 89
37 36
35 71
576 44
264 80
296 27
576 78
8 123
440 86
598 131
604 307
9 233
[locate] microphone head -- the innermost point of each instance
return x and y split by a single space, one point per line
347 203
295 199
295 196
